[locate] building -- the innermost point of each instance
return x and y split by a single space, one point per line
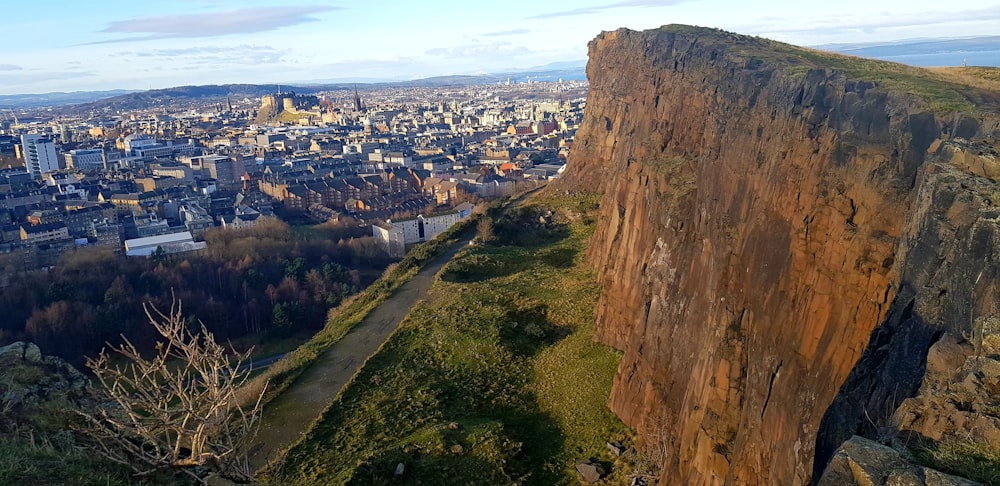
195 218
392 238
44 233
135 142
85 159
395 235
170 243
397 158
158 182
10 233
39 154
244 217
182 172
266 139
222 168
465 209
442 191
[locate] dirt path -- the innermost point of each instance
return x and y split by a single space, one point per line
289 415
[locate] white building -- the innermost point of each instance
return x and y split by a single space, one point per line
170 243
395 235
85 159
392 238
137 141
39 153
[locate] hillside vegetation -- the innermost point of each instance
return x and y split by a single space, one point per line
493 379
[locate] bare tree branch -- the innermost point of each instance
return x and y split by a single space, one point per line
179 409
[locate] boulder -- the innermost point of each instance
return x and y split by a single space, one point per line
616 448
591 471
867 463
33 380
21 351
946 356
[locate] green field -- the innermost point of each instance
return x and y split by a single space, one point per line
494 379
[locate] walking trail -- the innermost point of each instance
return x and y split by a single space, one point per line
288 416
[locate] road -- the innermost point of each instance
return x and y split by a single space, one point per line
288 416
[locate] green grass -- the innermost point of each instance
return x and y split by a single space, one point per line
39 447
349 314
941 94
493 379
25 462
975 460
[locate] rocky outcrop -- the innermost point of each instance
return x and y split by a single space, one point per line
864 462
30 382
959 399
781 240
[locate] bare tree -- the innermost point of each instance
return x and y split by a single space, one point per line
178 410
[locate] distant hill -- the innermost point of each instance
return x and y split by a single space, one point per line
124 100
158 97
975 51
57 98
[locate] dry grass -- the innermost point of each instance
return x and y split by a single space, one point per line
979 77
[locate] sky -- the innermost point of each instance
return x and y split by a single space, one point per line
73 45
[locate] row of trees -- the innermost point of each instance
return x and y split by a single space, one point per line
267 279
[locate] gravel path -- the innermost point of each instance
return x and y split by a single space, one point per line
320 384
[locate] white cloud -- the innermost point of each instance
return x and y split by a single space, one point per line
602 8
213 24
872 22
241 54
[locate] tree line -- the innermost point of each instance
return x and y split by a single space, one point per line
269 281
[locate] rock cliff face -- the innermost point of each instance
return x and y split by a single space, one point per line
782 237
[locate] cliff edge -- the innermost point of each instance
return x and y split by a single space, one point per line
783 235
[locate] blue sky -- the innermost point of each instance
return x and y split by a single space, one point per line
63 45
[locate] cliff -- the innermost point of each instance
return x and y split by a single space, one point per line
783 235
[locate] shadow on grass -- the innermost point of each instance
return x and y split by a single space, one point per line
487 263
529 226
558 257
529 236
528 331
476 452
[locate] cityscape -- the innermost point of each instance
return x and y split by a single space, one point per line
601 242
159 177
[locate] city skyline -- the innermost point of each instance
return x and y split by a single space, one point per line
72 46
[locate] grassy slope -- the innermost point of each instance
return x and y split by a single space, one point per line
352 311
23 461
524 402
37 447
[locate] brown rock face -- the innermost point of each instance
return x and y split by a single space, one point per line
759 216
